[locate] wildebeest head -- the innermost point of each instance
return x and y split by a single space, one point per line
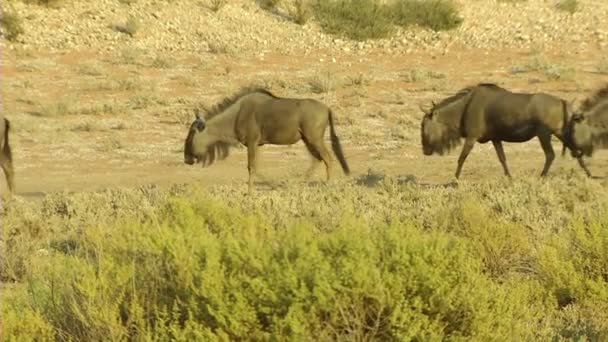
201 146
192 154
436 136
580 136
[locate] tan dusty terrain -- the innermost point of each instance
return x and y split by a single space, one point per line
90 117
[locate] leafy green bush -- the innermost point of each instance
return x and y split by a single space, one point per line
520 260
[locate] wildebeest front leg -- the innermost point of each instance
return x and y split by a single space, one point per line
501 156
251 163
545 142
581 162
466 149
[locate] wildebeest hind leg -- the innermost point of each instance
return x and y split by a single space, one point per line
545 142
325 156
466 149
501 156
315 162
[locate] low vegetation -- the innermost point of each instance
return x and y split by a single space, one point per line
550 70
375 259
370 19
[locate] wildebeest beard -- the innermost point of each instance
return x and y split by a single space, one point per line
215 151
438 137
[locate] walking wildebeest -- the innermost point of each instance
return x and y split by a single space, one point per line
254 117
487 112
6 158
588 128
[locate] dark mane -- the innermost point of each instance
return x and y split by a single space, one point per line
230 100
463 92
596 98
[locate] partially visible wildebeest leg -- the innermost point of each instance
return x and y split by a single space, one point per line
545 142
501 156
252 147
466 149
316 159
581 162
319 146
7 166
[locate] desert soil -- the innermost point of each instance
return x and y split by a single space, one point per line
93 108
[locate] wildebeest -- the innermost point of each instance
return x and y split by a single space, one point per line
486 112
254 117
6 158
588 128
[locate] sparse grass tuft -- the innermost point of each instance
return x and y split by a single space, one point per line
130 55
322 84
540 64
162 62
602 66
511 1
419 74
11 25
269 4
127 2
570 6
217 5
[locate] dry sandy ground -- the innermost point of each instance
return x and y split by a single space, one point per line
85 121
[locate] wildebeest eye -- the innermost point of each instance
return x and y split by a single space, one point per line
200 125
577 117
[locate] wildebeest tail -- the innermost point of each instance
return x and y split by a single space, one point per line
566 137
335 144
6 149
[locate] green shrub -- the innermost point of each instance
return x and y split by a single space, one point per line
506 260
355 19
437 15
11 25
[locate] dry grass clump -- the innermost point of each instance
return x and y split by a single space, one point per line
359 260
